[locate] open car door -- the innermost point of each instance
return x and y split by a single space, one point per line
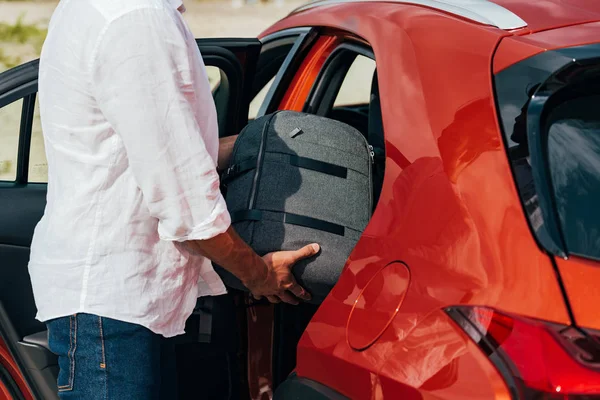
27 368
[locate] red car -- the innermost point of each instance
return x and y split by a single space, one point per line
478 276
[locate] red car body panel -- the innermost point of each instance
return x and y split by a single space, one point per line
516 48
299 89
542 15
13 369
580 278
443 146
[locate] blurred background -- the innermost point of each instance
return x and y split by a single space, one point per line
23 24
23 28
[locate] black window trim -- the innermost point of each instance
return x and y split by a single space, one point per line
270 44
286 72
21 83
293 37
25 138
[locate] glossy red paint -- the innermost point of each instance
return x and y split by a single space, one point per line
13 369
300 87
581 279
512 50
377 304
449 210
4 393
440 360
542 15
517 48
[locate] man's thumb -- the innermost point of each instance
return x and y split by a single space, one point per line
305 252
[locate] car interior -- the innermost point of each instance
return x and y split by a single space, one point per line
214 350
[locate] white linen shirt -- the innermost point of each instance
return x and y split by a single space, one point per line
131 138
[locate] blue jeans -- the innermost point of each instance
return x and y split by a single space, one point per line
102 358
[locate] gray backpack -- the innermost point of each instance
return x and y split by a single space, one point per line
295 179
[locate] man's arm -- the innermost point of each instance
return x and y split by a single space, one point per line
225 151
268 276
141 75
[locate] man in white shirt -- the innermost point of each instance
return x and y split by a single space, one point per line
134 213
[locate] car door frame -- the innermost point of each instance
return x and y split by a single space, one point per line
18 83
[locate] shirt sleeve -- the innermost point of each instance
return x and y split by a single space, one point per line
143 79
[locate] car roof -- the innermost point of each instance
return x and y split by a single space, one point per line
482 11
527 16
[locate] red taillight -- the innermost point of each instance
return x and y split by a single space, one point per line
538 360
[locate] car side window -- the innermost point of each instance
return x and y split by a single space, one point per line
356 86
258 100
10 126
574 163
214 77
275 51
345 90
38 165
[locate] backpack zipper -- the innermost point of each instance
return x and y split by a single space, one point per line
259 161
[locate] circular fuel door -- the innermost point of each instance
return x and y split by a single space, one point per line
377 305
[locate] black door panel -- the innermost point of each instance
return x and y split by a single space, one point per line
22 207
15 290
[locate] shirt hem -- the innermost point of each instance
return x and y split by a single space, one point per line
165 333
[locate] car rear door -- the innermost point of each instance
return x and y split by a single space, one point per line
27 368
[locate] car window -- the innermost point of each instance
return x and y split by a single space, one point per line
272 59
38 165
259 99
574 162
344 89
10 125
214 77
356 86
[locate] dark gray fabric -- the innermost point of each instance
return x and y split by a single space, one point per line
283 188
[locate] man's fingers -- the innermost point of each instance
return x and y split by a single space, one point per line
304 252
299 292
288 298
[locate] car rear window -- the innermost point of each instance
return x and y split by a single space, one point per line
573 129
549 109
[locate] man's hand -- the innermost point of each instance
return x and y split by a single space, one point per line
269 276
280 284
